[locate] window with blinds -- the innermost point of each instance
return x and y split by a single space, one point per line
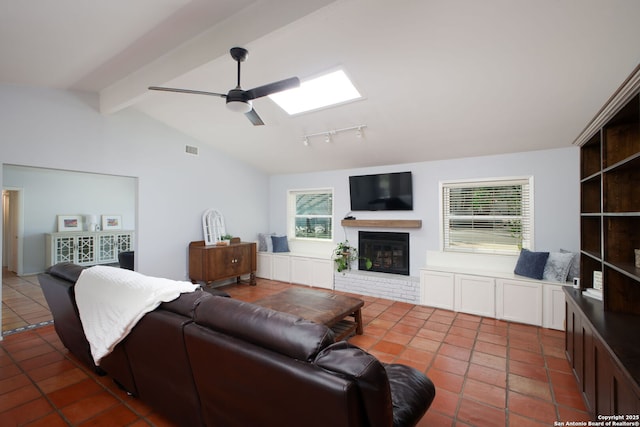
488 216
310 214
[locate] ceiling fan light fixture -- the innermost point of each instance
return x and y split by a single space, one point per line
240 106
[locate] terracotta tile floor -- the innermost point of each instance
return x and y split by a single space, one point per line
23 304
487 372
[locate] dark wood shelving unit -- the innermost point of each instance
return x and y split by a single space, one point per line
601 337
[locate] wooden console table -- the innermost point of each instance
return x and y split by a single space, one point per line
210 263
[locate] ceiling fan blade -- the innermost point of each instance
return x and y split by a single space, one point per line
194 92
254 118
260 91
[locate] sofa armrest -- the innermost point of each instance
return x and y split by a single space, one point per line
411 392
351 362
67 271
390 392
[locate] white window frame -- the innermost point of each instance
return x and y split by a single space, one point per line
291 213
528 232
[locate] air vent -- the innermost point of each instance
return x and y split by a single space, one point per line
191 150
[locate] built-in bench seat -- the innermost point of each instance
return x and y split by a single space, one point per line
485 285
308 263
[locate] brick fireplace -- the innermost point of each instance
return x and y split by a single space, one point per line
389 276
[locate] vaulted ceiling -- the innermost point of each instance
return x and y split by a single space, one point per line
440 78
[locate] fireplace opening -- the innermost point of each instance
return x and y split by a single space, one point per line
388 252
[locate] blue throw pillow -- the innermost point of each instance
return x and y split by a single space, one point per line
531 264
280 243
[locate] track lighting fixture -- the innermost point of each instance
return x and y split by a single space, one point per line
329 134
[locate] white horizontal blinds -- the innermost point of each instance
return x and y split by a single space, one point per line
312 213
487 216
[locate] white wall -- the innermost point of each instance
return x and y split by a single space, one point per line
51 192
556 198
63 130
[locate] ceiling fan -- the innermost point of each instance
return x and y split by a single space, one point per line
239 100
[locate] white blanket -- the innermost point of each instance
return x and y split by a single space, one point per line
112 300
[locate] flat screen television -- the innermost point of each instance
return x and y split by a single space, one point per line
381 192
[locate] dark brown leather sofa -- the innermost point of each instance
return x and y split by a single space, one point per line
205 360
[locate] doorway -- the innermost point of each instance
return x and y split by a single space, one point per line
12 230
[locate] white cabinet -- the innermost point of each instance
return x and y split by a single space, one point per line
87 248
496 295
475 295
290 268
437 289
322 273
554 307
264 269
519 301
300 270
111 244
280 269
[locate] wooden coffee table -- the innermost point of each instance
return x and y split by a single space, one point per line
321 307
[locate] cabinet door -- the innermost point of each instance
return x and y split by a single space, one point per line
553 307
437 289
124 242
107 248
85 250
519 301
300 270
625 400
322 273
281 269
475 295
64 249
223 262
241 262
264 269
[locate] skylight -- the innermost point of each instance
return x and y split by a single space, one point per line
323 91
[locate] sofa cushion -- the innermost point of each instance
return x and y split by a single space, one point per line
280 332
531 264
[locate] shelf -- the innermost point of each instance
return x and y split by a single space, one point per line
387 223
620 186
590 199
591 234
622 236
590 155
622 134
624 295
628 269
